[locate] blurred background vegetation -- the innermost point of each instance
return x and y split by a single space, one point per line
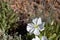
15 14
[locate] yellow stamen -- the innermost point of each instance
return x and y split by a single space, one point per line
35 26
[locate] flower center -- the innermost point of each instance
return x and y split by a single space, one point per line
35 26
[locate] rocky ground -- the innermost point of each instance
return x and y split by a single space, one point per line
46 8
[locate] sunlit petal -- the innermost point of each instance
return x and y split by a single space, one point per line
35 20
33 39
39 21
36 32
36 38
41 27
30 24
44 38
31 31
29 27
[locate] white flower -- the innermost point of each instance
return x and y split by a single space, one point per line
36 38
36 26
44 38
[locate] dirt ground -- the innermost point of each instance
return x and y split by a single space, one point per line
32 8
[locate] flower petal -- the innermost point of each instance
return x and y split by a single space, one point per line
33 39
36 31
41 27
39 21
29 27
35 20
30 24
31 31
36 38
44 38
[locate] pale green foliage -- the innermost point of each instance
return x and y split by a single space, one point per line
7 16
52 31
7 20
